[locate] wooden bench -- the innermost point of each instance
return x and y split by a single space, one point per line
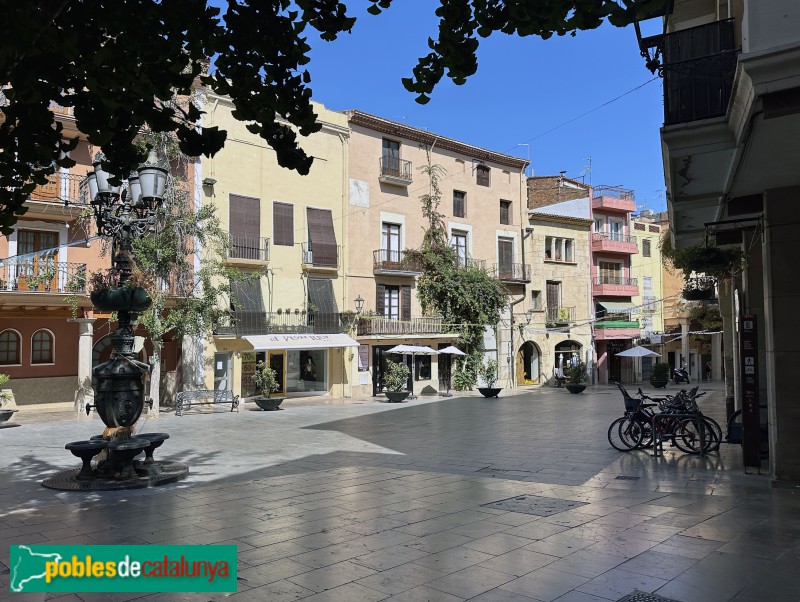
186 399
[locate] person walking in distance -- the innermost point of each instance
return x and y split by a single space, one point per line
708 369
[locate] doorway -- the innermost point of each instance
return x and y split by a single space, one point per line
276 361
529 371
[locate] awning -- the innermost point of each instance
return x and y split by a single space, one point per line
265 342
613 307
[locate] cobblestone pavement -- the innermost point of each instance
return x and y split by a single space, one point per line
351 500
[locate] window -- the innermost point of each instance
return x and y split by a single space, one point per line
38 251
459 204
42 347
559 249
646 248
505 212
422 367
536 300
283 224
244 227
610 273
390 242
459 244
322 237
391 156
615 231
393 301
505 258
483 173
553 295
9 348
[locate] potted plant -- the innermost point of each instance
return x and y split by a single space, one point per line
659 377
488 372
577 376
395 381
7 403
266 382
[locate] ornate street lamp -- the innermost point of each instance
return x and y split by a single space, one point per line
122 214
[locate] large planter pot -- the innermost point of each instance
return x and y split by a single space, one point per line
659 384
489 391
5 415
397 396
268 403
575 387
119 299
698 294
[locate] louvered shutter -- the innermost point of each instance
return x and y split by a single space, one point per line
321 237
244 226
405 303
283 224
380 299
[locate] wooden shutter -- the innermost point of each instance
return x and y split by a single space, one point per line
483 175
321 237
380 299
283 224
405 303
505 252
244 226
553 300
458 204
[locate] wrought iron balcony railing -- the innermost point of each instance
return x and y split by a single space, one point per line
246 323
615 280
248 247
419 325
470 262
512 272
613 237
42 276
560 315
389 260
69 189
396 169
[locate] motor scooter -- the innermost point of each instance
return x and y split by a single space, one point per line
680 375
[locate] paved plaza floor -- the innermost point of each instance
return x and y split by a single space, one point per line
445 499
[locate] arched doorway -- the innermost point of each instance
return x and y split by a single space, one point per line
567 353
528 364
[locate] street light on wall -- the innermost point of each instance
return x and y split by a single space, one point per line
359 304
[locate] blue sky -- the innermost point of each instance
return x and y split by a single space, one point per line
524 88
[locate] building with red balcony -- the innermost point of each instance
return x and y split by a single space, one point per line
613 282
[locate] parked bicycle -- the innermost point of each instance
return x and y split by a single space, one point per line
678 421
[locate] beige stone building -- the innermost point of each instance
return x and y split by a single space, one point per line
554 322
483 200
289 230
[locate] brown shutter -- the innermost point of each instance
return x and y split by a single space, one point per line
505 255
552 295
405 303
283 224
321 237
380 297
244 226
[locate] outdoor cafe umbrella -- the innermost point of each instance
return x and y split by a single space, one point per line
450 351
413 351
639 352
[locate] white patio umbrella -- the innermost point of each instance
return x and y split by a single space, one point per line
450 351
413 351
638 352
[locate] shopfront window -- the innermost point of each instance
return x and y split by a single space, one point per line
306 370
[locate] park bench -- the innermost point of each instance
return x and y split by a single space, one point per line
186 399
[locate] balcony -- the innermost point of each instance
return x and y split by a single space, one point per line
248 250
699 65
69 190
613 198
612 242
615 286
389 262
512 273
323 257
249 323
470 262
560 315
395 171
43 277
419 325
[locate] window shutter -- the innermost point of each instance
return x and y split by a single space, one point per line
244 216
321 237
405 303
380 299
553 295
283 224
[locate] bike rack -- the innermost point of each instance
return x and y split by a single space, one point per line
659 443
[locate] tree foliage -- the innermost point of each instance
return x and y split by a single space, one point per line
115 67
466 296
